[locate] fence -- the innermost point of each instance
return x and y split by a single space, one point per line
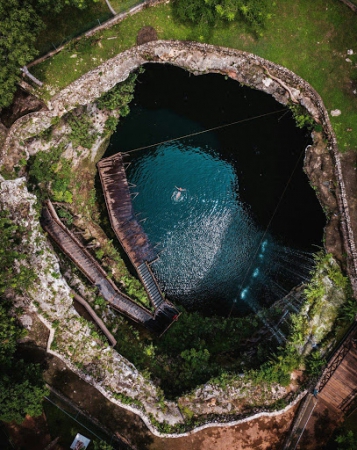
78 419
46 47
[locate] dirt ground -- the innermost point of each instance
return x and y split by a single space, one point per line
320 427
267 433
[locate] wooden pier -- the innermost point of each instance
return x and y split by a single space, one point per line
117 196
85 262
130 233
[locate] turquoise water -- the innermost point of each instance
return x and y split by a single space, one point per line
216 252
204 233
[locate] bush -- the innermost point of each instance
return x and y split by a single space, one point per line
82 131
119 97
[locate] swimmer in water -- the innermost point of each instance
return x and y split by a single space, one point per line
178 194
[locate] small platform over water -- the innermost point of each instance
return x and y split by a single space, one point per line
117 196
130 233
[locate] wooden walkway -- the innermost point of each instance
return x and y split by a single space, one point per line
74 249
130 233
121 213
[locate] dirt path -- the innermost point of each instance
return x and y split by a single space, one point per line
267 433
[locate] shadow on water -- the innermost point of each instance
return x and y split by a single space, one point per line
240 233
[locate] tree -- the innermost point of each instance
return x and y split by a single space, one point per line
21 392
119 97
20 25
209 12
347 440
21 384
11 255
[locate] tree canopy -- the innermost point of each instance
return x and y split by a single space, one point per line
209 12
20 25
21 384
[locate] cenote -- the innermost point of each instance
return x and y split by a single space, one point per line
240 233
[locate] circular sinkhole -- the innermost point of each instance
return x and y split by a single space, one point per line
230 210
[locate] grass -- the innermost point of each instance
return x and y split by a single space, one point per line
71 22
309 38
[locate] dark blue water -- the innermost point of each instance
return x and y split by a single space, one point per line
239 233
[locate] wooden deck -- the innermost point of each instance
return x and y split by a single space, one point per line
117 196
130 233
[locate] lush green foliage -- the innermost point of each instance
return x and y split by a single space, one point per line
302 329
15 274
254 12
347 440
52 174
20 25
82 132
348 311
9 334
301 116
111 123
66 216
190 353
118 98
21 385
314 364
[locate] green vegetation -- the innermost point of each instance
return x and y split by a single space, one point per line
82 132
69 23
20 26
211 12
190 353
314 322
309 38
347 440
301 116
50 174
102 446
15 273
21 384
119 97
120 6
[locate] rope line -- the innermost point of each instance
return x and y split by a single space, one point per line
206 131
269 223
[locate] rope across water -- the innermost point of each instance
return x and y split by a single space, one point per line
248 119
